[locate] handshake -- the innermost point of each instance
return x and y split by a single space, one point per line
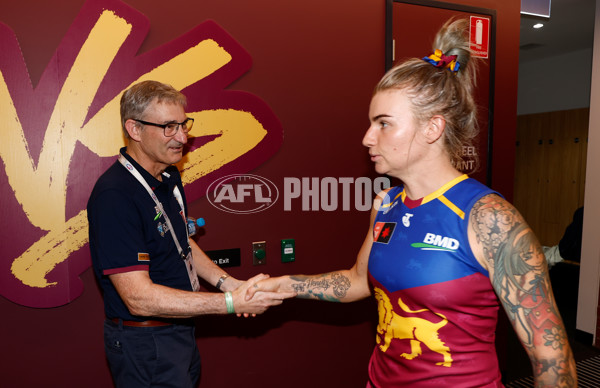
255 295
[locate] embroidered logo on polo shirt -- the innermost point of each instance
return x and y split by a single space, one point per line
383 231
143 256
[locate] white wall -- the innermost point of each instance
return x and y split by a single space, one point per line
556 83
587 313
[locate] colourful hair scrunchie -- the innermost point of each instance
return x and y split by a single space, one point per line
438 59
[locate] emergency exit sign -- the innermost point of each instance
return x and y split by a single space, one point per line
480 36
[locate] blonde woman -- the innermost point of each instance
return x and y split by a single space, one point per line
443 251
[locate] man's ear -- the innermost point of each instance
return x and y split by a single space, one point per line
435 128
133 129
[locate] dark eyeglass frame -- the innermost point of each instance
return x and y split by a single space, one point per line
185 126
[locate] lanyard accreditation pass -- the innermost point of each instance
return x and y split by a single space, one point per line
188 260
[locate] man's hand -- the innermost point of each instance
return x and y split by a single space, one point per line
258 302
267 284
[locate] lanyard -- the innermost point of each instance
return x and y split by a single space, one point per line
159 205
187 257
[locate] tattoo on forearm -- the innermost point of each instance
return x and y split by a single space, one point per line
520 278
330 286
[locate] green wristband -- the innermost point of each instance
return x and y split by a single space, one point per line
229 302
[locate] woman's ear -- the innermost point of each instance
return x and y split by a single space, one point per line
133 129
435 128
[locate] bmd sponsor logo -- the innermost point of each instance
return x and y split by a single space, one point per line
435 242
242 194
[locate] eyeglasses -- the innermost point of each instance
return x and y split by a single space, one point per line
170 129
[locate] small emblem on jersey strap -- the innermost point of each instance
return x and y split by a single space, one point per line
383 231
406 219
387 207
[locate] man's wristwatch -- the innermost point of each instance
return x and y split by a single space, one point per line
220 281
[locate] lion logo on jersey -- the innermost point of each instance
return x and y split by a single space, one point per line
417 330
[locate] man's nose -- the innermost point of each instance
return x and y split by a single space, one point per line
180 136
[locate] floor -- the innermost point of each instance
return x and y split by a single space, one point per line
588 375
565 283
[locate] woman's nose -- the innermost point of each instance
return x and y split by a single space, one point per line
369 138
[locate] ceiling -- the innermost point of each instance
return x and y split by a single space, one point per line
569 28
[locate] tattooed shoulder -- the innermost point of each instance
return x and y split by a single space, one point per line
508 243
497 225
492 219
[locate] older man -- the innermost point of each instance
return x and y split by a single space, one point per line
146 264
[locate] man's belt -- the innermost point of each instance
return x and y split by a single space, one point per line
149 323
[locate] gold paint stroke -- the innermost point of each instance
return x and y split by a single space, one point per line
239 133
41 190
42 256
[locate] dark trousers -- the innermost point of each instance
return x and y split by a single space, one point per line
163 356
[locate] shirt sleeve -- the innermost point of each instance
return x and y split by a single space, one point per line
118 233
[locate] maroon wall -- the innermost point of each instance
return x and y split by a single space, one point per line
314 63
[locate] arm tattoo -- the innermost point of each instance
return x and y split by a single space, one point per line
519 274
330 287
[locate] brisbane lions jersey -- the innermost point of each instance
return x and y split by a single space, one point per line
437 307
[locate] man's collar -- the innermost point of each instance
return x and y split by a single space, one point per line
152 181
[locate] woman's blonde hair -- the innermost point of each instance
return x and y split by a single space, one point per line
440 91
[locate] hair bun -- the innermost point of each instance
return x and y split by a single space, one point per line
453 39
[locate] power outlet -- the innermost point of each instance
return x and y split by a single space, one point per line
259 253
